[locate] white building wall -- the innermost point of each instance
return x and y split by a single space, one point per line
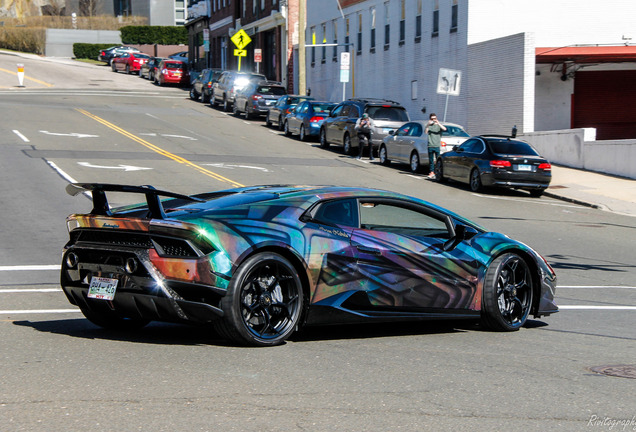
406 73
555 23
500 83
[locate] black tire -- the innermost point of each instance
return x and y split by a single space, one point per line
475 181
286 131
226 105
113 67
205 98
323 139
536 193
347 148
301 134
193 94
235 111
439 171
384 156
264 302
248 116
127 69
213 102
268 122
281 125
507 294
109 319
414 163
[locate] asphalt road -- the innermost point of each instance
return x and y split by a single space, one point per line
61 373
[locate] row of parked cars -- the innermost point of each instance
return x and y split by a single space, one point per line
481 161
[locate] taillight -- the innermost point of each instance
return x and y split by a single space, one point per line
256 97
316 119
210 84
443 144
545 166
500 164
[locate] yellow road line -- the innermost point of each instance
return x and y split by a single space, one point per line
160 150
27 77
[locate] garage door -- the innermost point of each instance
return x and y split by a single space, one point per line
605 100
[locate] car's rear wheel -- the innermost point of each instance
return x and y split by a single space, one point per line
301 134
193 94
268 122
439 171
226 105
415 162
127 69
205 98
109 319
281 125
248 116
235 111
286 132
264 302
323 139
507 295
384 156
475 181
346 145
113 67
536 193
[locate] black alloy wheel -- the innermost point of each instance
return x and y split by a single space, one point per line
508 293
475 181
439 171
193 94
264 302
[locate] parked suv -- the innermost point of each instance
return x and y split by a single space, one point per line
229 82
202 84
339 127
256 98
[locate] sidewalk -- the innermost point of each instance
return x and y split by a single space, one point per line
592 189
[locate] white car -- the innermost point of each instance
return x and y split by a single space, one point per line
409 143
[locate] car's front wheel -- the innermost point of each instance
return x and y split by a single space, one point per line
384 156
264 302
193 94
507 294
286 132
323 139
281 126
226 105
127 69
301 134
248 116
439 171
268 122
346 145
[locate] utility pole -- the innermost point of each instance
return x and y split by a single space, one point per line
302 78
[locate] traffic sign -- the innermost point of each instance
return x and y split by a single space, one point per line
240 39
258 55
240 53
449 81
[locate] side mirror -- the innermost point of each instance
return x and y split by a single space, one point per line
460 235
391 132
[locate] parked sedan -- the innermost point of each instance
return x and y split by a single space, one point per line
149 68
284 106
256 98
306 119
260 262
497 161
129 62
409 144
202 85
172 72
109 53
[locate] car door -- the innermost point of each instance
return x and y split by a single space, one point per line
296 117
405 263
453 159
419 142
466 161
393 143
330 124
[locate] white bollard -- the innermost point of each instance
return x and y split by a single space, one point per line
20 75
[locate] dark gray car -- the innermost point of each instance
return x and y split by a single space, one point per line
229 82
257 98
339 127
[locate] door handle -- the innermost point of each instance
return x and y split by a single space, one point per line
369 250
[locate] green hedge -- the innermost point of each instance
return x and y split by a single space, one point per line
88 50
162 35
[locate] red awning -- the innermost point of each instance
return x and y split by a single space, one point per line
587 54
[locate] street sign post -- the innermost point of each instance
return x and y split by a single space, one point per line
345 68
241 40
448 83
258 58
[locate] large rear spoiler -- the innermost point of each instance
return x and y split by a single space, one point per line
100 203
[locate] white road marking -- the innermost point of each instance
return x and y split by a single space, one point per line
595 286
29 290
593 307
22 137
119 167
528 200
169 136
77 135
221 165
37 311
30 267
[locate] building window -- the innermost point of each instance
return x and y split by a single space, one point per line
402 23
372 43
418 21
335 40
387 26
359 44
347 46
324 41
454 12
313 49
436 19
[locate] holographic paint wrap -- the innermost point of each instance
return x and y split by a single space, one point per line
187 260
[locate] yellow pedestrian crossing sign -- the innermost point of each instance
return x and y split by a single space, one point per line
241 39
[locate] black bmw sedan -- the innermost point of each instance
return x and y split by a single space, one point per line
497 161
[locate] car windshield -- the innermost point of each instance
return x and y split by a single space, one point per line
455 131
512 148
388 113
174 65
142 56
323 108
271 90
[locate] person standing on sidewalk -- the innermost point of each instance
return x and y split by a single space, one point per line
434 131
363 128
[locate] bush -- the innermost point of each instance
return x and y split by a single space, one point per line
30 40
150 35
88 50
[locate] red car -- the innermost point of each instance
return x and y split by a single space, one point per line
172 72
129 62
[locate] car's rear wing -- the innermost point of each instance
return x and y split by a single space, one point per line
100 202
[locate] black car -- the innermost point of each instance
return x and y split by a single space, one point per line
148 69
339 127
229 83
257 98
284 106
497 161
108 54
202 85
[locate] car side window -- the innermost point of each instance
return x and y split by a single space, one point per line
396 219
338 111
416 130
338 212
467 146
304 107
404 130
354 111
346 111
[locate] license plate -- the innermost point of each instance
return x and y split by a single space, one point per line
102 288
524 167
